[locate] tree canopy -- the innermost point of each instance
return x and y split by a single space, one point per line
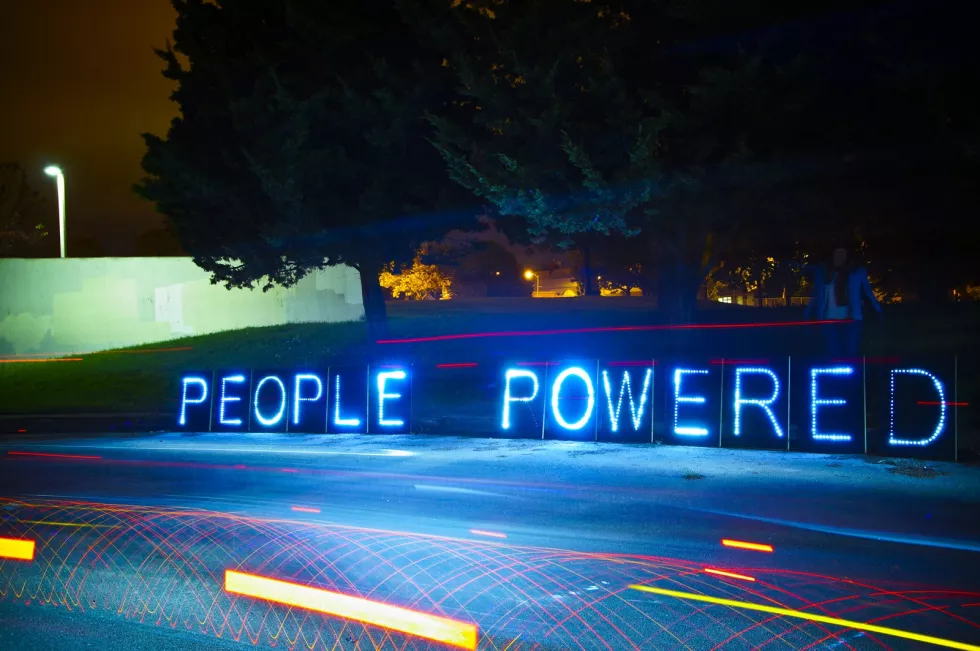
20 222
691 132
301 142
708 129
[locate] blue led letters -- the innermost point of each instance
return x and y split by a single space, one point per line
893 438
225 399
337 419
281 412
509 376
579 373
694 400
184 400
383 378
298 396
764 404
816 402
636 413
902 409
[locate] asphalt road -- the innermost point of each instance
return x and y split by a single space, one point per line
535 543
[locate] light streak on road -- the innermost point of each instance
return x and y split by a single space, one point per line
76 525
741 544
54 456
812 617
19 550
432 627
730 575
305 509
491 534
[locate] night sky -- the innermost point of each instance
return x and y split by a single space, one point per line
79 82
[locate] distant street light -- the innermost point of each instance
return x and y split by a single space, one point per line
59 176
537 281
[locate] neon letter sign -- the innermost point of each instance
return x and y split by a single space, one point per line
556 391
225 399
383 378
337 420
764 404
184 400
298 392
513 374
269 422
625 388
678 399
816 402
892 438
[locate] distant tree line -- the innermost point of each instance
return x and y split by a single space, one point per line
665 139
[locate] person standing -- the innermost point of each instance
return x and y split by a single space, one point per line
839 290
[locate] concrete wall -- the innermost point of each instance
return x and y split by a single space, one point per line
80 305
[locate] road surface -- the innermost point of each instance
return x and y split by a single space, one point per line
532 544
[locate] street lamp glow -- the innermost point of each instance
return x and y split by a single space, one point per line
537 282
59 177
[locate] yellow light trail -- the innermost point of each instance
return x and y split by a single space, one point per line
432 627
741 544
813 617
80 525
20 550
731 575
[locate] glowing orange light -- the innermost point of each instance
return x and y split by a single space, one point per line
432 627
21 550
492 534
141 351
37 361
739 544
730 575
306 509
144 351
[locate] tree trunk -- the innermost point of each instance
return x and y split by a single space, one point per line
587 286
678 292
375 312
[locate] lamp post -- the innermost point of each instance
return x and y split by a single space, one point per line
537 282
59 177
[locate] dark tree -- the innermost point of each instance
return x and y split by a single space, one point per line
301 142
596 120
20 223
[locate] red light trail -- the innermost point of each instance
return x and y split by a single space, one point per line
573 331
53 456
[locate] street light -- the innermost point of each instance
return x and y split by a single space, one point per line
59 176
537 281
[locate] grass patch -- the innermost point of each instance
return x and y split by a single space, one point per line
146 378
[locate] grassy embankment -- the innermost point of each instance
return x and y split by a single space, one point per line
145 378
